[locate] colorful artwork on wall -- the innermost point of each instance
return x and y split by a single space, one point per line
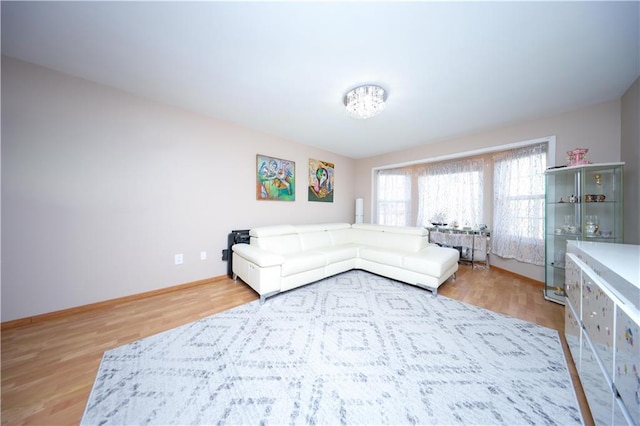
321 181
275 179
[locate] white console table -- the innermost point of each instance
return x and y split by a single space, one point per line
602 327
473 243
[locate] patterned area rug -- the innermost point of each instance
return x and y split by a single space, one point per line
355 348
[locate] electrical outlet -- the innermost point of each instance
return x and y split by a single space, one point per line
203 255
179 259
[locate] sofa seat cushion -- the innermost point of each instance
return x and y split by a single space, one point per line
340 252
262 258
302 262
384 256
432 260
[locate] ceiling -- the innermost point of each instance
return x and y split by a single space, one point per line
282 68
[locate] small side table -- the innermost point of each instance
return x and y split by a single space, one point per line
474 244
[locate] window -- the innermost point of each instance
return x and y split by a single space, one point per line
451 192
394 197
518 210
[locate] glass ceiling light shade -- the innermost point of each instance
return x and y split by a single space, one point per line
365 101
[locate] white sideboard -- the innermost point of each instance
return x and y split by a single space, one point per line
602 327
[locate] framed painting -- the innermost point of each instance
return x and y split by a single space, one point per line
275 179
321 181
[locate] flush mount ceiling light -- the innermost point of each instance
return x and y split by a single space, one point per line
365 101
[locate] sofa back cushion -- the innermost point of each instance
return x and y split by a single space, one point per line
289 239
341 236
319 236
281 239
401 238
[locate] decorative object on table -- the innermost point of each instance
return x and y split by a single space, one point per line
321 181
439 219
577 157
275 179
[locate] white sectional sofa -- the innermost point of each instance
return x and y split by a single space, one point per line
283 257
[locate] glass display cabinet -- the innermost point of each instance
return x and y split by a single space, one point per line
581 203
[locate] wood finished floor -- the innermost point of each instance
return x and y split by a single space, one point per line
48 367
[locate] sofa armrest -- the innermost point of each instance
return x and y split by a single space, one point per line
260 257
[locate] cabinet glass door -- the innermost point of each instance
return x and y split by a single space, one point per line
602 204
562 222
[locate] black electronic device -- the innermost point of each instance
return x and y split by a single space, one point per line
235 237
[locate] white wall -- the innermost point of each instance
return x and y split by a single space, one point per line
631 156
100 189
596 127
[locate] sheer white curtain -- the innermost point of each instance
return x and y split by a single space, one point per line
451 192
518 210
394 197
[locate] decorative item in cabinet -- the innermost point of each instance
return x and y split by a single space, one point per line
581 202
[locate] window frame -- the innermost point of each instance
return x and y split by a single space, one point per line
406 202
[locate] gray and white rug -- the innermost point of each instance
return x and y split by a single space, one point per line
351 349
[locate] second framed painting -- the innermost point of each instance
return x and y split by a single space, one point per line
321 175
